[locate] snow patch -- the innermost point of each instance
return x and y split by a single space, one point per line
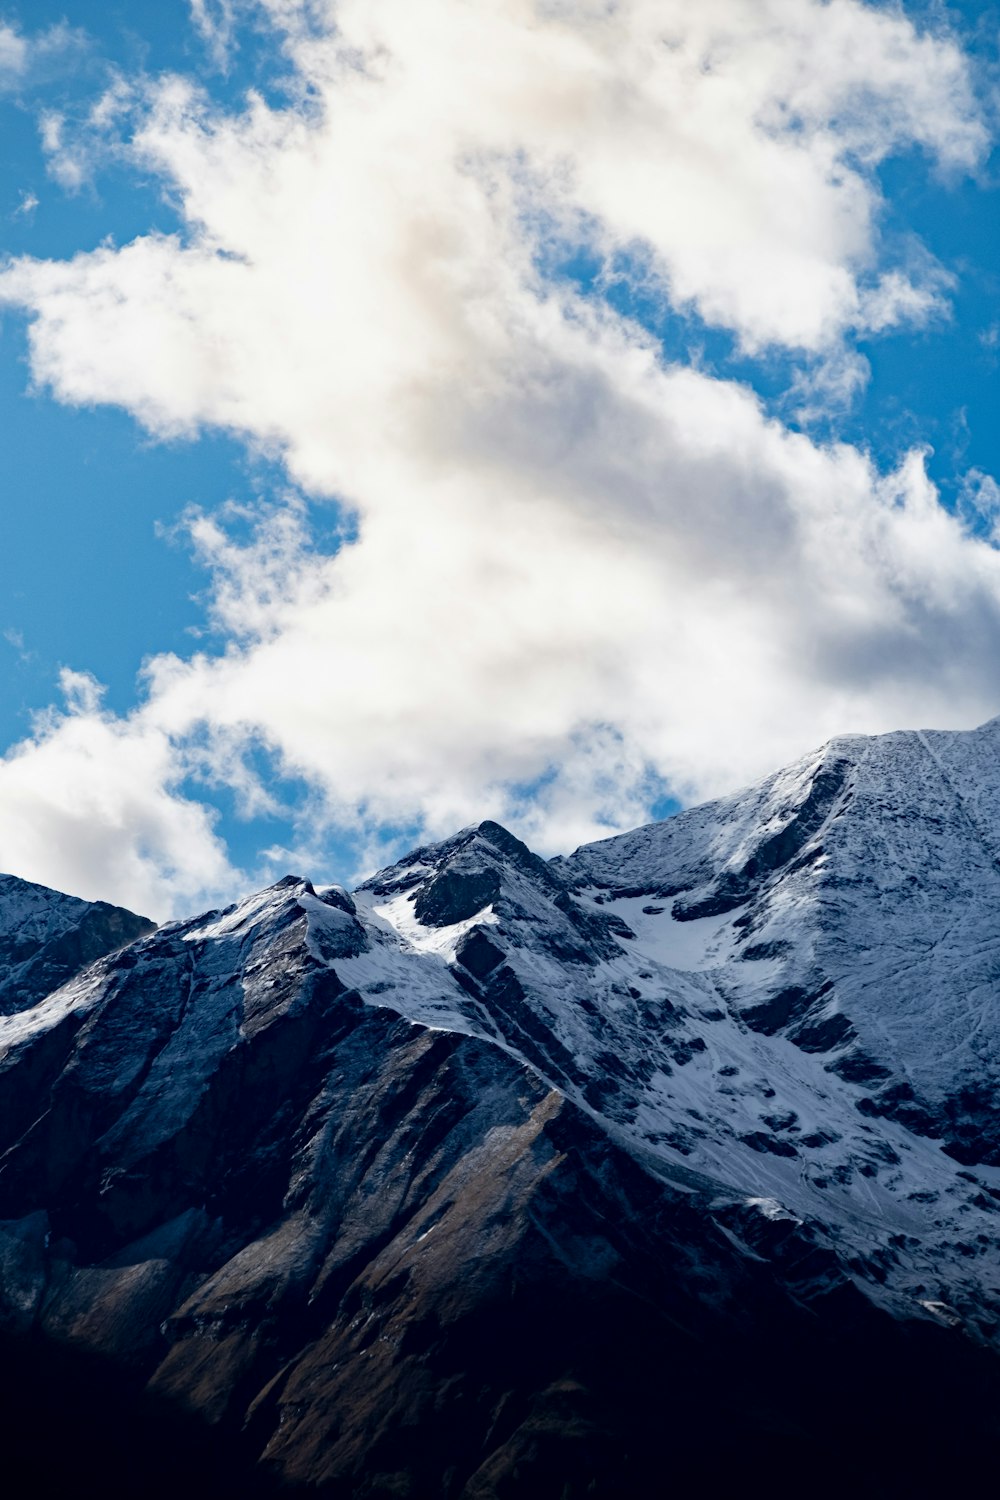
772 1209
704 943
398 914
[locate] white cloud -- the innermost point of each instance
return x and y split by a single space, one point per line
13 54
67 162
90 805
979 504
899 298
76 148
27 60
215 21
578 569
26 206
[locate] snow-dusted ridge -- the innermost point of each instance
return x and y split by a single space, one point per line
668 1057
47 937
780 1009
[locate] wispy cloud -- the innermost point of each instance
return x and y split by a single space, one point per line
26 206
15 639
216 23
979 504
30 59
76 147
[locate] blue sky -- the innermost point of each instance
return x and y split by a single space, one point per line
92 574
96 574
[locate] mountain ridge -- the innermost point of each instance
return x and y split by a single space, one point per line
46 937
300 1164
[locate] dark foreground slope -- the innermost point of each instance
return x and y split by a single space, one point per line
461 1188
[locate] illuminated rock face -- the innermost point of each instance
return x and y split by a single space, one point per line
511 1177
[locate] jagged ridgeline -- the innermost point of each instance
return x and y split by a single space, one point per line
669 1162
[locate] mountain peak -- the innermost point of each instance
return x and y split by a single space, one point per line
503 1126
46 937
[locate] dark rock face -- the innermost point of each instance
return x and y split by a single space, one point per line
466 1186
46 938
455 895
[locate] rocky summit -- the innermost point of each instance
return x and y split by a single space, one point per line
673 1161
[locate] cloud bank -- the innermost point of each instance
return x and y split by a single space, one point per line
573 572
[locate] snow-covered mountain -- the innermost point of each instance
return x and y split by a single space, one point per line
454 1186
